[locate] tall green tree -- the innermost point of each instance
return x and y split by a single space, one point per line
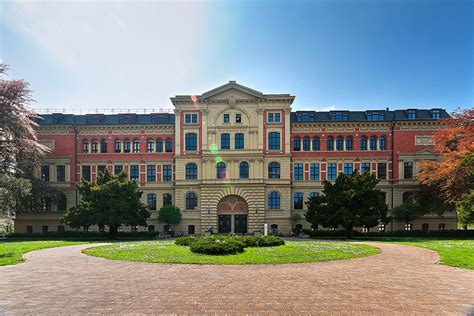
110 201
465 210
169 215
408 211
351 201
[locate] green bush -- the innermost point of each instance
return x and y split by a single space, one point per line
185 240
217 245
270 241
250 241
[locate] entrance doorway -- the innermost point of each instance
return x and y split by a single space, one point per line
232 215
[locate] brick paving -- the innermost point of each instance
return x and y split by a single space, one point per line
400 280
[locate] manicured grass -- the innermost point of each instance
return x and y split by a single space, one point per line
456 253
11 252
291 252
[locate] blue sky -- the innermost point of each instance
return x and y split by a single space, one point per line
329 54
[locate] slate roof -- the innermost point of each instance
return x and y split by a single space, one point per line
106 119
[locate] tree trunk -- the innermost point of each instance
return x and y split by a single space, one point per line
113 230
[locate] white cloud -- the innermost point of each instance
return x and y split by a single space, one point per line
127 53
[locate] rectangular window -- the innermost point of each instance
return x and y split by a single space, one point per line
167 173
225 141
45 173
151 173
167 199
134 172
118 169
86 173
411 114
190 119
375 116
314 171
277 118
364 167
435 115
101 168
338 116
408 170
238 118
239 141
348 168
274 141
270 118
382 170
226 118
151 200
298 171
332 171
61 173
298 201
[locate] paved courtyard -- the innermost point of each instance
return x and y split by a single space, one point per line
400 280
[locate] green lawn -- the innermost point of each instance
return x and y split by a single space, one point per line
291 252
11 252
456 253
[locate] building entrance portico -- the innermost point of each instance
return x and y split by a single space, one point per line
232 213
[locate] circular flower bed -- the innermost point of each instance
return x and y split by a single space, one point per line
220 245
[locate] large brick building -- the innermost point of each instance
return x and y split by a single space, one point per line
233 158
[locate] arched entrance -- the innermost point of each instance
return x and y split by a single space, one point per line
232 213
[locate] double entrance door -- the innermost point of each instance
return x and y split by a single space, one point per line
233 223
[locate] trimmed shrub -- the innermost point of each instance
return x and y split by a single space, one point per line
270 241
185 240
217 245
250 241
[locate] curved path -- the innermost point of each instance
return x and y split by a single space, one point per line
400 280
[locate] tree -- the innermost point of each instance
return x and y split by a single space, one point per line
11 190
352 201
453 176
169 215
110 201
408 211
19 146
465 210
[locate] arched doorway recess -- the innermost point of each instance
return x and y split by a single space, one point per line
232 213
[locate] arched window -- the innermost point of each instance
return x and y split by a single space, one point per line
274 200
306 143
382 143
221 170
85 146
373 143
191 171
126 146
313 194
225 141
95 146
136 146
118 146
190 142
244 170
150 145
363 143
191 201
274 141
103 146
239 141
159 145
274 170
169 145
339 143
316 143
349 143
296 143
330 143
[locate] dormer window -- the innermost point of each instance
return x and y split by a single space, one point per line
435 114
305 117
338 116
190 119
238 118
226 119
411 114
375 116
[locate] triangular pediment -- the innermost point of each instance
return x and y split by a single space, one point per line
232 90
424 151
